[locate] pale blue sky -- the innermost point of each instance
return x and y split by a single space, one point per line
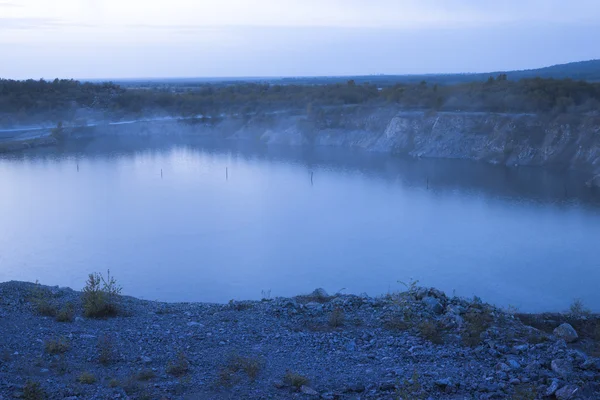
195 38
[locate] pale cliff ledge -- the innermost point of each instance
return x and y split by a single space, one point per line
566 141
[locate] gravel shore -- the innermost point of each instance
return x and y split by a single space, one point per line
420 344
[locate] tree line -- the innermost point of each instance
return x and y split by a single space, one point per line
61 99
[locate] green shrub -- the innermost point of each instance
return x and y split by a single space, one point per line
100 296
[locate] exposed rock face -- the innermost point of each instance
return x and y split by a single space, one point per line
566 141
566 332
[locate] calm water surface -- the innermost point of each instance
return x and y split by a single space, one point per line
227 223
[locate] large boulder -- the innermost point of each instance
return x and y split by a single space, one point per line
566 332
433 304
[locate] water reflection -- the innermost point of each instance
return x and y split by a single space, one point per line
229 219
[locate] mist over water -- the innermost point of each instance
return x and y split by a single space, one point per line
228 221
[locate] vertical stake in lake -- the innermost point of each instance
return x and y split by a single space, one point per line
161 173
77 167
311 177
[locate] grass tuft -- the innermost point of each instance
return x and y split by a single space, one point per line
145 375
431 331
477 322
337 318
41 298
66 313
295 380
56 346
179 367
105 350
33 391
86 378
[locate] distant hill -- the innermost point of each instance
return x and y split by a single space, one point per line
583 70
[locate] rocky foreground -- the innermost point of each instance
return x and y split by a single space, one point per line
419 344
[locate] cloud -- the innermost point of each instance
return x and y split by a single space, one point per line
37 23
7 4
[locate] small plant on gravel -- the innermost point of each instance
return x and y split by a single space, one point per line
411 286
100 296
86 378
578 309
131 385
265 295
249 365
295 380
477 322
41 298
145 375
336 318
395 323
431 331
225 378
105 350
411 389
66 313
317 296
56 346
33 391
240 305
525 392
59 364
178 367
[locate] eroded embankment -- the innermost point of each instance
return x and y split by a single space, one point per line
566 141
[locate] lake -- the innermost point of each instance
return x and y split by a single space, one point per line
213 221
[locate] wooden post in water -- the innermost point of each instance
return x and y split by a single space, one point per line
161 173
311 177
77 167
